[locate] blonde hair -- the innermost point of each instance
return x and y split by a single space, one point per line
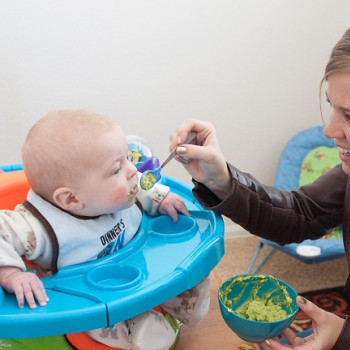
55 149
339 60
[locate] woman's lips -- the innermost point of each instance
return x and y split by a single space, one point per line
344 154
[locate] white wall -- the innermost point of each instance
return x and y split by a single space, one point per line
250 67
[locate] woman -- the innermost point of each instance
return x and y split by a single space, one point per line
282 216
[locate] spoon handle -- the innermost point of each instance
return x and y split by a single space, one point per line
190 137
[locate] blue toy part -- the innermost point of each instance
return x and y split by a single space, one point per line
139 149
151 163
163 260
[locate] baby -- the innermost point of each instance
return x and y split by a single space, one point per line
83 185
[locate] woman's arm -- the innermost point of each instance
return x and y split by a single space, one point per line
281 216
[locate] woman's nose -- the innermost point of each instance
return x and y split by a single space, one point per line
334 127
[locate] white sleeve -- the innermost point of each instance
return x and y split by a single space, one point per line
21 234
152 198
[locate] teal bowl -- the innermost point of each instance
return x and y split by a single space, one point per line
272 311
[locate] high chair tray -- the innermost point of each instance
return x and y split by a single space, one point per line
163 260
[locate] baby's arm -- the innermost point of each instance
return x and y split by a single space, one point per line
21 234
25 285
159 200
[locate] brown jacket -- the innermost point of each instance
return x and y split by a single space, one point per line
286 217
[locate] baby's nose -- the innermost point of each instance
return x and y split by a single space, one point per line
132 171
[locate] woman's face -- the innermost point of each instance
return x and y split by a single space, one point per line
338 127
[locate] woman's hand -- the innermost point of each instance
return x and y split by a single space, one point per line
203 160
326 330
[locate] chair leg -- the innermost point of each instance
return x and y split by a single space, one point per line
255 256
264 260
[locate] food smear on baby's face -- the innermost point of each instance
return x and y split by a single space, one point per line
267 307
147 180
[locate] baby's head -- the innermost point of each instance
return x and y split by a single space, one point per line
67 157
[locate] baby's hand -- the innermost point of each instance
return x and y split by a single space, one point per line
171 205
25 285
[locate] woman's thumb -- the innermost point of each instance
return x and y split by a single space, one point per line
308 308
192 151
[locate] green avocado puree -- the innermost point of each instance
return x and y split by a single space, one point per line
269 307
245 347
147 180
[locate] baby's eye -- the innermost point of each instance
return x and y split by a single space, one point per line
116 171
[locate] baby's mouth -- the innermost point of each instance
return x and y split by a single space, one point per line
133 190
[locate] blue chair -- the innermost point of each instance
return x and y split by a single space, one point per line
305 157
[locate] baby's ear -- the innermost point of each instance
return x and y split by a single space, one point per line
65 198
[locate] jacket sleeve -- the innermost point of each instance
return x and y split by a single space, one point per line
20 235
281 216
343 341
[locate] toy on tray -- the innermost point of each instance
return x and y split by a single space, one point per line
163 260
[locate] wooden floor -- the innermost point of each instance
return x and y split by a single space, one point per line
212 333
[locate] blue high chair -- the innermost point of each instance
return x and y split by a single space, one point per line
162 261
305 157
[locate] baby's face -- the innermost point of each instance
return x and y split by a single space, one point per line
110 180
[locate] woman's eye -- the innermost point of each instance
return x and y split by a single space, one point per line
347 116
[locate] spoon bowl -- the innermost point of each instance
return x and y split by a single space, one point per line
151 176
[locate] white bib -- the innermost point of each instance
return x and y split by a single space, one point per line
81 240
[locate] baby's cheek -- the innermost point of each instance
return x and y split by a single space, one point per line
120 195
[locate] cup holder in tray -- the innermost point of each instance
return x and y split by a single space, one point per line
113 276
165 227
